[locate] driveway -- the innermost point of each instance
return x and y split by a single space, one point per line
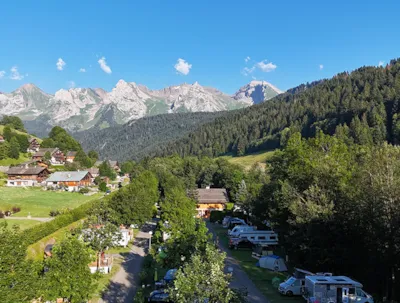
240 278
124 284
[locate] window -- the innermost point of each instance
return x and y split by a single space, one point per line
352 291
360 293
261 238
272 237
252 238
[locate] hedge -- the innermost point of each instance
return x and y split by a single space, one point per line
34 234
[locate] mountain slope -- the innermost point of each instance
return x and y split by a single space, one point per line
137 139
363 106
83 108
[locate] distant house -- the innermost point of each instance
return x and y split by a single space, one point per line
113 164
2 139
57 156
103 264
70 157
34 145
73 180
126 236
209 199
26 175
94 171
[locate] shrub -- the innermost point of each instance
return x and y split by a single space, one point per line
16 209
103 187
229 206
7 213
1 214
54 213
84 190
139 297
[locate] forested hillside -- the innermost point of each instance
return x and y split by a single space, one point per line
363 104
140 138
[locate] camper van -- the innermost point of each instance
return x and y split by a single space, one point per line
267 237
334 289
293 285
238 229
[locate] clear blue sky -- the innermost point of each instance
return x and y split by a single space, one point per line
142 41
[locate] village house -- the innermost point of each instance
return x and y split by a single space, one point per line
113 164
72 180
95 172
102 265
209 199
26 175
2 139
56 155
34 145
70 157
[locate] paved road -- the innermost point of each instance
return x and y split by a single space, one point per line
31 218
123 285
240 278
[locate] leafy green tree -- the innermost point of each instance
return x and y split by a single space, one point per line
23 142
83 159
14 121
127 167
106 170
19 278
4 150
67 273
7 133
93 155
14 148
103 186
134 203
202 278
59 137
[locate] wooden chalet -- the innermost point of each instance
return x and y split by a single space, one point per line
26 175
73 180
70 156
209 199
34 145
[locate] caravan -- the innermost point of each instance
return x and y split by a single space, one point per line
266 237
238 229
334 289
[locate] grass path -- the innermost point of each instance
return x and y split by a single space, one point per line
249 160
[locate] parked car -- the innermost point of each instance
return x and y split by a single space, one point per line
159 296
238 229
236 243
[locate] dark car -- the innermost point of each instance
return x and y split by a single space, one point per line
236 243
159 296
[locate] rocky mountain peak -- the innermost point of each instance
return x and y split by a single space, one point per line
256 92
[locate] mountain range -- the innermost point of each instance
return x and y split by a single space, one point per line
78 109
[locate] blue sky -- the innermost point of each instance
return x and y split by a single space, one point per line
288 42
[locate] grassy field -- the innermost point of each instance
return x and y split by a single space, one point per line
38 202
261 277
36 250
248 161
23 224
9 161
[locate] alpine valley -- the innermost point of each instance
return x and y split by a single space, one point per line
79 109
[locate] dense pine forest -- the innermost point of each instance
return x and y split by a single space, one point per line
363 104
137 139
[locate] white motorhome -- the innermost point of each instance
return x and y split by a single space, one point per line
238 229
334 289
293 285
267 237
233 222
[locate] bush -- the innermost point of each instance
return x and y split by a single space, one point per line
84 190
216 215
103 187
1 214
139 297
229 206
54 213
16 209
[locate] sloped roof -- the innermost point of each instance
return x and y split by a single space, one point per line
71 153
93 171
62 176
212 195
43 151
22 170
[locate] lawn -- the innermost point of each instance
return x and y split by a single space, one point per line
23 224
36 250
38 202
261 277
248 161
9 161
